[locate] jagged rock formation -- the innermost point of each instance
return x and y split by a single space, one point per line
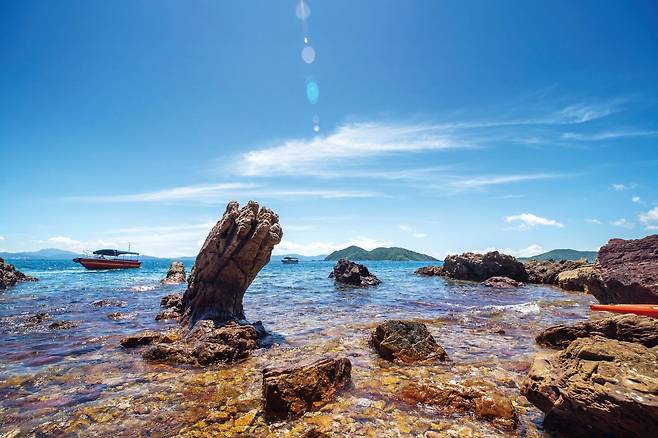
289 392
175 274
173 307
627 272
501 283
629 328
597 387
9 276
481 399
478 267
429 271
238 246
407 342
547 271
348 272
576 279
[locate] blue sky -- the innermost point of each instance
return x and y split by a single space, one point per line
444 126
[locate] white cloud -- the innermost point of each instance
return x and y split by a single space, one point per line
650 219
69 244
623 223
529 220
622 187
529 251
477 182
593 221
606 135
2 238
412 231
320 248
636 199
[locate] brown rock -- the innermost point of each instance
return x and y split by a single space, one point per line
481 399
38 318
597 387
168 314
628 328
430 271
576 279
348 272
117 316
478 267
9 276
501 283
173 305
175 274
62 325
547 271
407 342
146 338
109 303
289 392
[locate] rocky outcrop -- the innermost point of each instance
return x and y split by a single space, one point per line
576 279
354 274
406 342
173 307
480 399
501 283
146 338
430 271
627 272
289 392
597 387
109 303
628 328
175 274
547 271
236 249
9 276
478 267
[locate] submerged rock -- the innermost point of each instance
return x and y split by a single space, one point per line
63 325
109 303
475 397
38 318
478 267
146 338
289 392
407 342
348 272
501 283
429 271
627 272
597 387
10 276
629 328
547 271
116 316
175 274
576 279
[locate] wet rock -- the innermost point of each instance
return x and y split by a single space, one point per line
208 344
175 274
429 271
628 328
9 276
289 392
38 318
348 272
597 387
146 338
478 267
314 432
109 303
627 272
576 279
115 316
475 397
63 325
168 314
173 307
547 271
236 249
407 342
501 283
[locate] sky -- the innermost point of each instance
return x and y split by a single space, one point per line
439 126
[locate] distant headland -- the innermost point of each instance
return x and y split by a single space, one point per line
393 254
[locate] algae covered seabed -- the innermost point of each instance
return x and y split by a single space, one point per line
79 381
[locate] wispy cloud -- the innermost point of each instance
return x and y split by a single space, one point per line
636 199
2 237
623 223
621 187
531 250
608 135
593 221
69 244
326 247
529 220
412 231
649 219
477 182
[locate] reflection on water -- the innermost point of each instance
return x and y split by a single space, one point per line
80 381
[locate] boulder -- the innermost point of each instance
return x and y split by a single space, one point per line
628 328
576 279
547 271
289 392
173 307
478 267
146 338
597 387
478 398
9 276
627 272
116 316
354 274
63 325
501 283
430 271
175 274
407 342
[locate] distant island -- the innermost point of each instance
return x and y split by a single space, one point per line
394 254
564 254
60 254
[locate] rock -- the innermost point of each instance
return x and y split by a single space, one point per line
236 249
173 305
37 318
576 279
628 328
501 283
627 272
9 276
175 274
478 267
348 272
168 314
109 303
146 338
289 392
207 344
407 342
546 271
117 316
430 271
481 399
62 325
597 387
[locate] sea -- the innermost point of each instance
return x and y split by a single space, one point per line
79 381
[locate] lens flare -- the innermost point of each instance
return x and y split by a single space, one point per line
308 54
312 92
302 10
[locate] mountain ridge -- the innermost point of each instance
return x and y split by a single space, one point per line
393 253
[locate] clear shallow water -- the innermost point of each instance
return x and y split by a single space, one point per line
79 381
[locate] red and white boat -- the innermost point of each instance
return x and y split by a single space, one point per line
109 259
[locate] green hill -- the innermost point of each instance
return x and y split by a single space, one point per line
394 254
565 254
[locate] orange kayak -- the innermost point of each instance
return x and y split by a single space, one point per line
638 309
